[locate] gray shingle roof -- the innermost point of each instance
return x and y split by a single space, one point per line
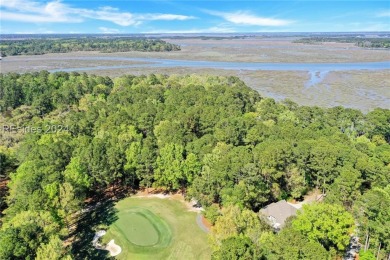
278 212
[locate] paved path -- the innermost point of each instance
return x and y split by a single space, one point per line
200 223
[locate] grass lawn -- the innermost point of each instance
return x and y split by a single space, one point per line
154 228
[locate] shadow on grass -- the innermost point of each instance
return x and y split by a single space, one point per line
101 214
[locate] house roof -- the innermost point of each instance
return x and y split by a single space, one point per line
280 211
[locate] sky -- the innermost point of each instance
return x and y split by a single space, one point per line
165 16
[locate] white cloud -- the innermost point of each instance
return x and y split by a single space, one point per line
215 29
22 5
120 18
108 30
109 8
384 14
55 11
245 18
35 18
29 11
153 17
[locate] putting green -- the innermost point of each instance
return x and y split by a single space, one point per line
141 227
154 228
140 230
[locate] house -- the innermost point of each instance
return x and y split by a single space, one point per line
277 213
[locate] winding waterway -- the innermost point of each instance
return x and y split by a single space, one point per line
317 71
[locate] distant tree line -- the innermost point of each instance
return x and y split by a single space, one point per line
212 137
47 45
359 41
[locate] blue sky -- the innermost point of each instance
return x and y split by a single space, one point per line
165 16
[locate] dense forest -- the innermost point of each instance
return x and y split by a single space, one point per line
48 45
359 41
69 137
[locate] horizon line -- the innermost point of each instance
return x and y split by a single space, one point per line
158 33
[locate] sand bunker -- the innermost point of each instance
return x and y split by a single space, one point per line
111 247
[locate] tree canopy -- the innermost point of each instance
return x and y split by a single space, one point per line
53 45
70 136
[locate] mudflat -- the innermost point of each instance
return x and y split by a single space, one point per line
362 89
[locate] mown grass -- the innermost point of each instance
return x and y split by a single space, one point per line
179 235
142 228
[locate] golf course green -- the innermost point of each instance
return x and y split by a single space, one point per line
155 228
142 228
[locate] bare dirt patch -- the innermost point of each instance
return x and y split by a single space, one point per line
3 193
206 223
162 194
